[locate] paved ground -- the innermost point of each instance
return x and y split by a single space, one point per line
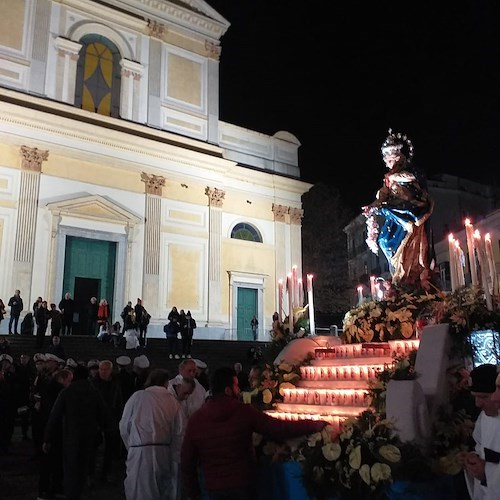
19 476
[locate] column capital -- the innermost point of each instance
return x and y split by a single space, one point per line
66 47
215 196
154 183
131 68
296 215
279 212
33 158
213 51
156 29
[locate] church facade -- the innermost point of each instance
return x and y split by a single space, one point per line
119 181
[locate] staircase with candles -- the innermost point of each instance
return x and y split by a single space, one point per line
335 385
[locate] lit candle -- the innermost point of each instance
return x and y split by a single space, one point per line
491 264
295 287
310 301
301 292
280 300
453 268
460 257
360 295
372 287
469 232
481 255
289 287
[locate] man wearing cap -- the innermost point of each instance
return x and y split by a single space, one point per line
187 369
141 370
125 376
481 467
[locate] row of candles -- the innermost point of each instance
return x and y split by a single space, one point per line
327 397
356 350
334 420
295 297
482 267
355 372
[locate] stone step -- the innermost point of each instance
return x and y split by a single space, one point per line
215 353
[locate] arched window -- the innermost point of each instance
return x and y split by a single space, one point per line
247 232
98 76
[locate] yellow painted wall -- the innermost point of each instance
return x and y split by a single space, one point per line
184 272
12 23
248 257
10 156
184 80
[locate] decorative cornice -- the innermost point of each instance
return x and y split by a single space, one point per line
296 215
154 183
33 158
215 196
279 212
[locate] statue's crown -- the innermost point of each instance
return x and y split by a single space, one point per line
395 144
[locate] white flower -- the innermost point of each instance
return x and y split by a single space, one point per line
331 451
364 472
380 472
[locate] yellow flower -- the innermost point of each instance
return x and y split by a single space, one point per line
290 376
390 452
267 396
364 472
285 385
285 367
406 329
355 458
380 472
331 451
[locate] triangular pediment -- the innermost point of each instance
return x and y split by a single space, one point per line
94 207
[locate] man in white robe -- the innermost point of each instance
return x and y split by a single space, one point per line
187 369
151 428
482 466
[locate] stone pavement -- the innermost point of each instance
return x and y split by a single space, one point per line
19 475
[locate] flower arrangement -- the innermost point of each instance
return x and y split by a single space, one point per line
389 319
402 368
273 379
359 462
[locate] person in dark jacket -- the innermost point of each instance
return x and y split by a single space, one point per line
57 348
67 308
187 330
80 411
92 311
42 321
16 306
28 325
219 439
56 320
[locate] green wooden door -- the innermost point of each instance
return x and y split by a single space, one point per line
247 307
89 258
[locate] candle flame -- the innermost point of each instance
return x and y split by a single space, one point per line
468 222
477 235
487 237
450 237
360 288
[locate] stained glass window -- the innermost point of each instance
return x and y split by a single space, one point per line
247 232
98 76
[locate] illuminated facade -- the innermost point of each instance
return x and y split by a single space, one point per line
117 178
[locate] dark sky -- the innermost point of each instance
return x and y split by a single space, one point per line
338 75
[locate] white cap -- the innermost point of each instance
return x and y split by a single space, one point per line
123 360
39 356
52 357
93 363
8 357
71 363
200 364
141 361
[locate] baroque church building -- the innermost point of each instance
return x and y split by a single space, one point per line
119 181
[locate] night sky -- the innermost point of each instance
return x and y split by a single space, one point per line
338 75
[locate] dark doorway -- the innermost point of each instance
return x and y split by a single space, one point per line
85 289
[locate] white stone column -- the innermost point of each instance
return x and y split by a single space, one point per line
152 224
296 215
130 98
27 208
50 292
67 59
215 200
282 263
